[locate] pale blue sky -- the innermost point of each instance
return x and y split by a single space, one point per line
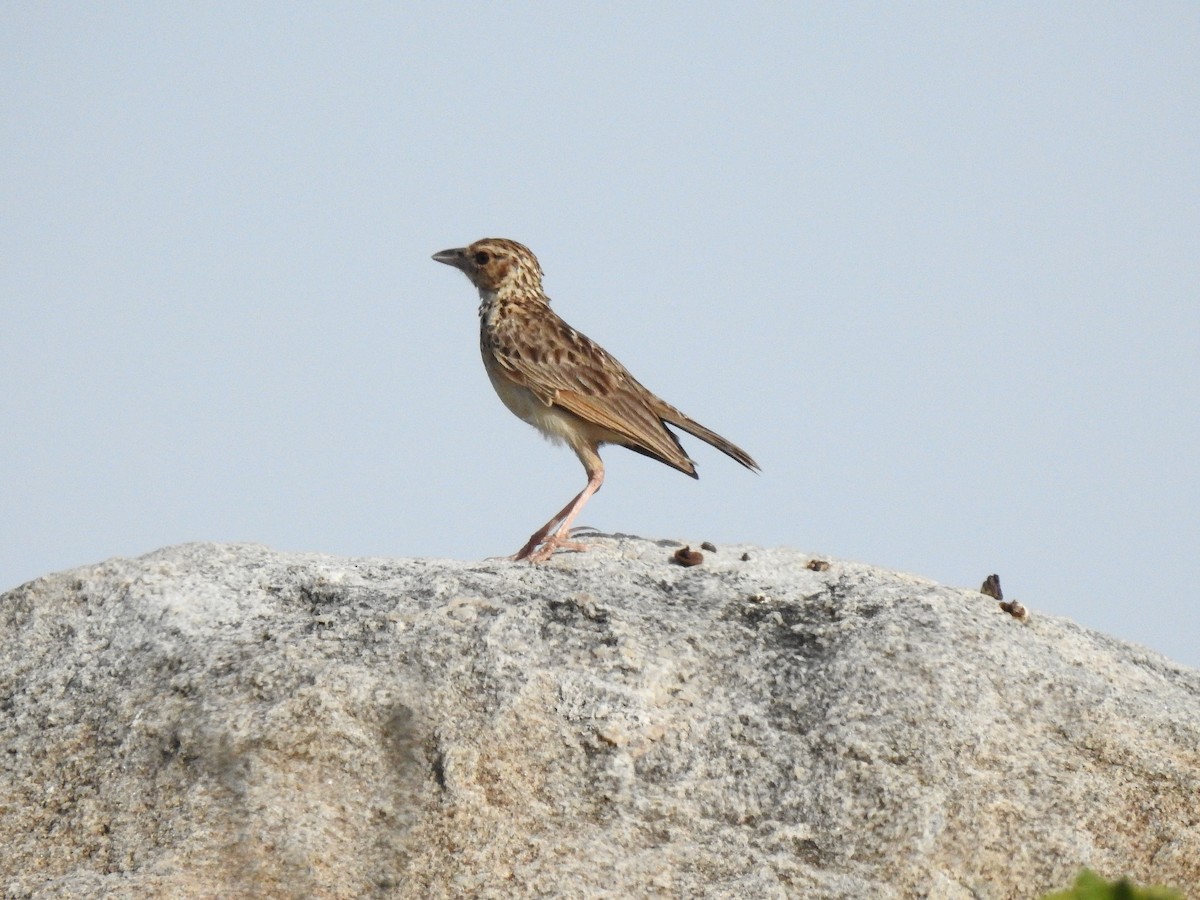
934 265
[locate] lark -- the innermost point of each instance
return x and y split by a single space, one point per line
563 384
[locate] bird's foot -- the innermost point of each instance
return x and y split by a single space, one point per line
537 551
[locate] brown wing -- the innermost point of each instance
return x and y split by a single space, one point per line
563 367
623 414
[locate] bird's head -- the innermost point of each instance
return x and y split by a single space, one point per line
496 266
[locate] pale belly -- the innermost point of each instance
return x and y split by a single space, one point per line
554 422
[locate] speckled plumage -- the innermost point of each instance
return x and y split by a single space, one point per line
565 385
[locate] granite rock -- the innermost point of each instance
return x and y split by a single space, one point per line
228 721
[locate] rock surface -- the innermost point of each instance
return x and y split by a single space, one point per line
227 721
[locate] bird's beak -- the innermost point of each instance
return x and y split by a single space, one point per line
456 257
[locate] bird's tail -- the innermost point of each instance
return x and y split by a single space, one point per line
674 417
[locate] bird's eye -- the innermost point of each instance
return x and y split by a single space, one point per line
481 258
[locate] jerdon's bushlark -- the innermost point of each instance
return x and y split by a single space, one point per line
563 384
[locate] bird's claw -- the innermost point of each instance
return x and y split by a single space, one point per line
540 552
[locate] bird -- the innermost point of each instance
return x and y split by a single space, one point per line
564 384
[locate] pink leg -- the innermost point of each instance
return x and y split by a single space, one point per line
560 539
